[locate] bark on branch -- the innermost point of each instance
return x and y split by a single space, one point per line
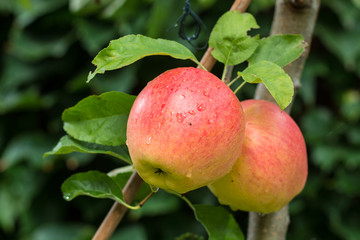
291 17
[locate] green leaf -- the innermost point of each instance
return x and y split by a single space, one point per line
33 49
279 49
121 176
27 147
29 13
135 231
99 119
61 231
218 222
68 145
99 185
126 50
275 79
229 38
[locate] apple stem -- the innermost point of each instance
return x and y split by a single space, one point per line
239 87
233 81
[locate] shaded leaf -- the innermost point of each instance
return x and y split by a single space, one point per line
26 147
279 49
121 175
274 78
68 145
127 50
30 48
99 119
131 232
229 38
61 231
92 183
28 13
100 185
218 222
345 45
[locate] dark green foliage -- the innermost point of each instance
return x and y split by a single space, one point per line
46 53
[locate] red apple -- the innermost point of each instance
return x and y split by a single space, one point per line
272 168
184 130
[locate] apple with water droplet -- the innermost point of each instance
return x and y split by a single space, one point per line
272 168
184 130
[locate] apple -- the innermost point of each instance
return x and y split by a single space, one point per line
184 130
272 168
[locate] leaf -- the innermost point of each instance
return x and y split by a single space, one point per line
121 176
33 49
98 185
99 119
279 49
126 50
68 145
229 38
274 78
61 231
135 231
27 147
218 222
27 15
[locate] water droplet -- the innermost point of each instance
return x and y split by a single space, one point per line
206 94
182 96
154 189
148 140
180 117
261 214
191 112
201 107
211 121
67 196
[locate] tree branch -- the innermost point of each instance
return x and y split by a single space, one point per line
291 17
117 211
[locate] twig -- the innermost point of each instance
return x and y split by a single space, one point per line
293 17
118 210
208 61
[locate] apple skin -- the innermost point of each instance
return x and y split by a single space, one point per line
272 168
184 130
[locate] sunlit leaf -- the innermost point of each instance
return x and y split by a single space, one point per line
274 78
229 38
279 49
68 145
99 119
127 50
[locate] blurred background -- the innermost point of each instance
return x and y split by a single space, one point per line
46 53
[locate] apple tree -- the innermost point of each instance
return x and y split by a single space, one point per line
162 150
